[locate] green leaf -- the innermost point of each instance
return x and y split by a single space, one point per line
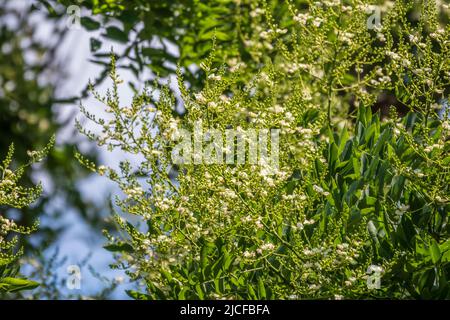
251 292
435 252
137 295
208 36
119 247
370 132
167 275
446 161
372 231
381 142
89 23
397 187
116 34
261 289
199 291
333 156
366 211
95 44
9 284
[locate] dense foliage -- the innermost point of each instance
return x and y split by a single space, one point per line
16 196
357 191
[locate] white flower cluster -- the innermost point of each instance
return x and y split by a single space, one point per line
135 191
6 226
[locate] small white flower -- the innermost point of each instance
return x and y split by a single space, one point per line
393 55
212 105
419 173
381 37
413 38
317 22
314 287
436 106
278 109
214 77
200 98
302 18
373 268
317 189
267 246
248 254
406 63
101 170
259 224
118 279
